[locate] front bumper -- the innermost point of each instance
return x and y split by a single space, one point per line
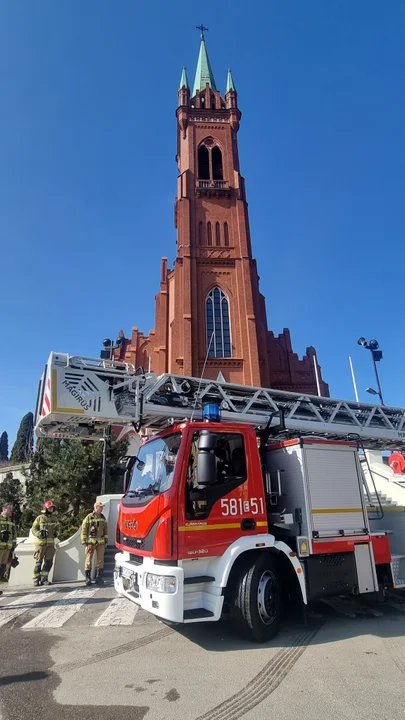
130 581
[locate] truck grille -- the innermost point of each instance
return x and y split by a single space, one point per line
132 542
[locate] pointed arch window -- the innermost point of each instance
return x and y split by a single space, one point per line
209 234
216 156
218 324
203 163
210 163
217 234
226 234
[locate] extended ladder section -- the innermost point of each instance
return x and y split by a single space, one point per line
79 397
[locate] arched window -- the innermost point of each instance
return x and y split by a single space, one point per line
201 233
209 234
203 163
217 234
226 234
210 163
218 327
216 156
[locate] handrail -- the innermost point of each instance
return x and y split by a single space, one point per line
213 184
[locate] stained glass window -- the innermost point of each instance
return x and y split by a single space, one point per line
218 324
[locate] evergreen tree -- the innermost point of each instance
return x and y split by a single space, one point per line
3 447
23 447
11 491
69 473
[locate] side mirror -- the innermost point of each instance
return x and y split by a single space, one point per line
206 460
207 440
206 468
129 462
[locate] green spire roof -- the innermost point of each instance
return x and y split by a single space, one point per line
204 72
230 85
183 79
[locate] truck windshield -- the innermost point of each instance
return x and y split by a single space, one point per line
154 469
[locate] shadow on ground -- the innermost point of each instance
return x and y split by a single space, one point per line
36 686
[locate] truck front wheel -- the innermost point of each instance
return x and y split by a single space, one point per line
256 601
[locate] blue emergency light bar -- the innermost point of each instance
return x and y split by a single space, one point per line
211 413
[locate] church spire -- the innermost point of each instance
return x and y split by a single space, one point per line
230 85
204 72
183 79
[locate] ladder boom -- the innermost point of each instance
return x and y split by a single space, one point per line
79 397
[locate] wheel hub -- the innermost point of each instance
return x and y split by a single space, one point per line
267 597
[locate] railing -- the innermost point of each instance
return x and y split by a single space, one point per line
213 184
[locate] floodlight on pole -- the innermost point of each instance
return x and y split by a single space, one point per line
376 356
371 391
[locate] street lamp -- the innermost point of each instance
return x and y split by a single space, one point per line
371 391
376 356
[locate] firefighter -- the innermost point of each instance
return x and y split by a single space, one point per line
8 538
95 537
45 531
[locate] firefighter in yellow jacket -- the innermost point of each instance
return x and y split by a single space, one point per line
8 538
45 531
95 537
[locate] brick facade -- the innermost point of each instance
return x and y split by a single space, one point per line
214 250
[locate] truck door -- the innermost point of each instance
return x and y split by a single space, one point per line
213 517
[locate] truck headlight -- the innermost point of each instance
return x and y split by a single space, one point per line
161 583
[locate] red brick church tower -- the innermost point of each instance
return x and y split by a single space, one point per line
210 314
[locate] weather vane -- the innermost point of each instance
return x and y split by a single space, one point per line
202 29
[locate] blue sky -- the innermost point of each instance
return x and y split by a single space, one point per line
88 176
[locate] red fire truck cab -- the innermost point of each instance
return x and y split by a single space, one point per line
210 524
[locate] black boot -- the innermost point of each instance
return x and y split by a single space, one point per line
99 577
88 577
37 575
2 571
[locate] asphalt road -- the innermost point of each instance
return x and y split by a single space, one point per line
62 657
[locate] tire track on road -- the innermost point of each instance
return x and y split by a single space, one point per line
264 683
113 652
396 655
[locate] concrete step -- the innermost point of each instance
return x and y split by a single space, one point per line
109 560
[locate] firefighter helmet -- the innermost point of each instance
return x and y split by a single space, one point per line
48 504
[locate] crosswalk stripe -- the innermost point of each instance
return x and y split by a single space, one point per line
22 604
119 612
62 611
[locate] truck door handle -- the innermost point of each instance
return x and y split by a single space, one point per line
248 524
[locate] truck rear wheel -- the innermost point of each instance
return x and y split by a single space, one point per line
256 601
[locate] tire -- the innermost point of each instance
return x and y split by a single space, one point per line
256 601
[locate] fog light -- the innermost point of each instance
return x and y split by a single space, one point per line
161 583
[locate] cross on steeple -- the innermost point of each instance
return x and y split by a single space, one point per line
202 29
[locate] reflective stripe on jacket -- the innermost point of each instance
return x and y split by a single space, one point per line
94 529
47 523
7 530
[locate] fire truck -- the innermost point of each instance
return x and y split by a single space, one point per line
240 500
